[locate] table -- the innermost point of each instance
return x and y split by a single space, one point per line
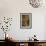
26 42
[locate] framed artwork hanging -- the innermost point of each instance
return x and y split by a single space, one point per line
25 20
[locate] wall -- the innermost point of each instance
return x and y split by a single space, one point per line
13 8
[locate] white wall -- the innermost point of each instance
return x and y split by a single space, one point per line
13 8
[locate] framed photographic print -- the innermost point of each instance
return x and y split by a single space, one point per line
25 20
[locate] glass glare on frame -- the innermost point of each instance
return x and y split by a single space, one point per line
37 3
